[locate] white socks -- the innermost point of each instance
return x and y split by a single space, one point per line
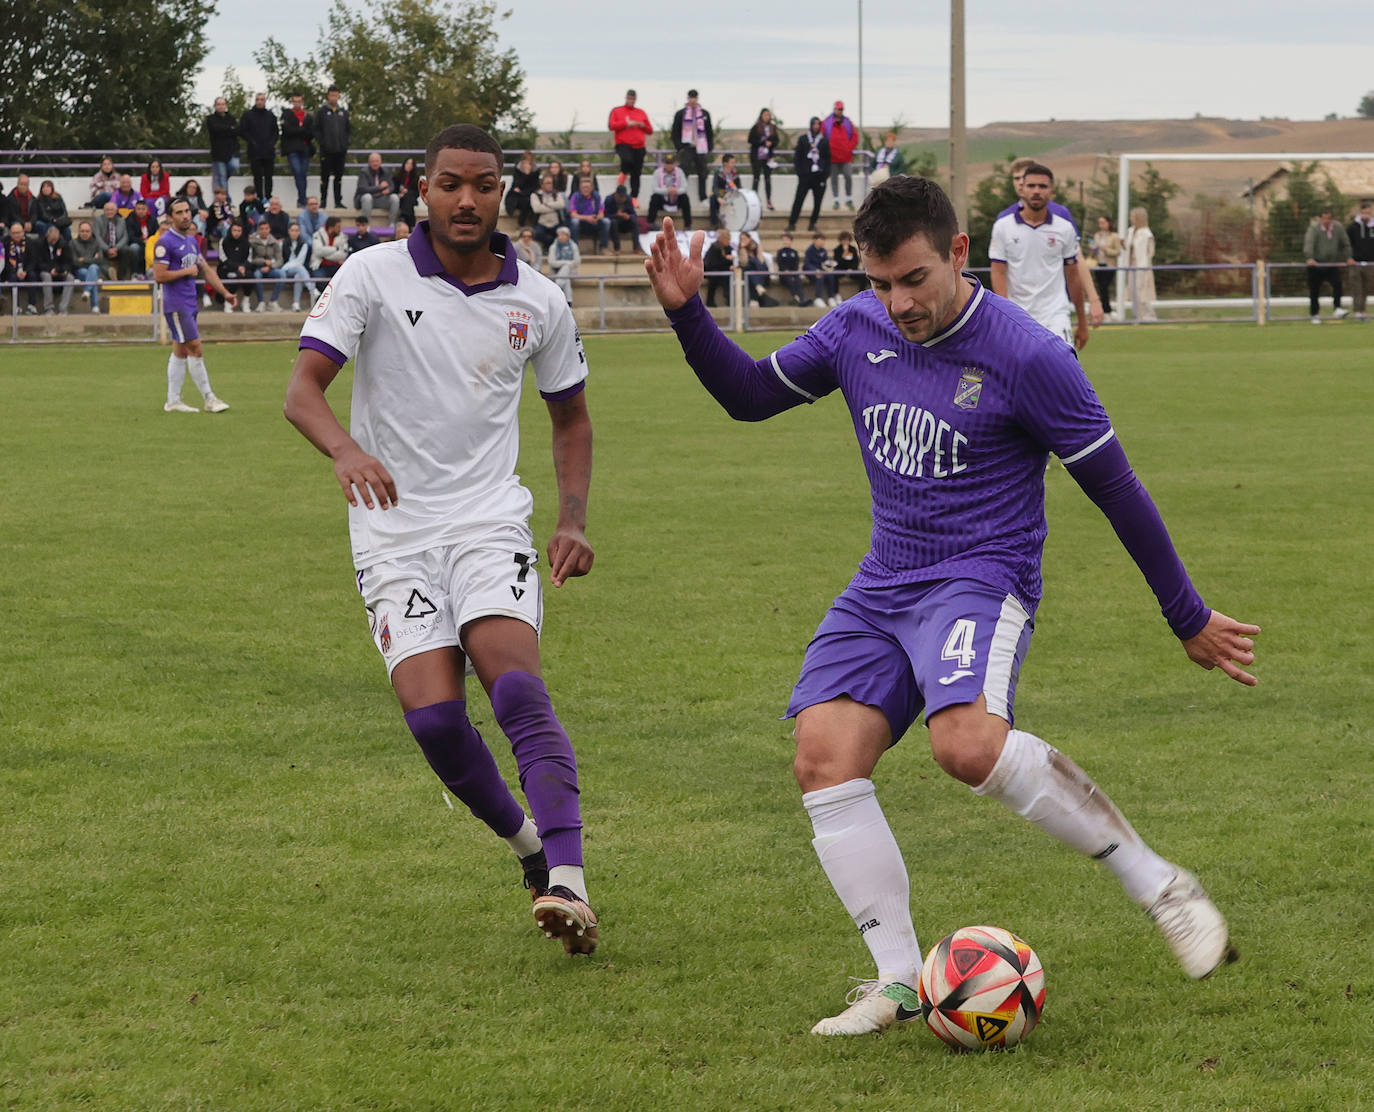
196 364
569 876
865 867
1041 784
525 841
176 375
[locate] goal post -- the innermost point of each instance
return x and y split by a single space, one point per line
1123 185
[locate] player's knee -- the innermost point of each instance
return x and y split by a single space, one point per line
967 746
808 764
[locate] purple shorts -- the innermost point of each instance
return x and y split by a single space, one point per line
914 646
182 325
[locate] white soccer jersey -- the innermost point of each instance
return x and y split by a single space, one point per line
436 385
1035 258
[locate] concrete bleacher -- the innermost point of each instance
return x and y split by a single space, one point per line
623 301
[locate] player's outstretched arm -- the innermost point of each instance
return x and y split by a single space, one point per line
1226 644
359 474
675 277
568 552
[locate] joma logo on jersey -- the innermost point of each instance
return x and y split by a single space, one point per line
518 334
970 388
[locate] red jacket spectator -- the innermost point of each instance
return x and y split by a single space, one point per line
155 187
629 126
839 130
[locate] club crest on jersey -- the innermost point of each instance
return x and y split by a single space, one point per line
384 639
970 388
519 331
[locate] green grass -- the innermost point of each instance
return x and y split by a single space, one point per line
229 881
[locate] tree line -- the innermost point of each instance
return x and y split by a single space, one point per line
121 74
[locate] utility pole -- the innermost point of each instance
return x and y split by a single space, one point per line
958 132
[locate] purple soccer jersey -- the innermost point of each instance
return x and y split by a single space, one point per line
178 252
955 434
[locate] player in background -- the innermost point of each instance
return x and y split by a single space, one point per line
177 263
1018 176
442 327
956 397
1034 256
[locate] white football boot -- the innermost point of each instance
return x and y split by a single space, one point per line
1192 925
179 406
214 405
873 1006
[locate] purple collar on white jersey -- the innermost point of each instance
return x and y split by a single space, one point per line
975 299
427 262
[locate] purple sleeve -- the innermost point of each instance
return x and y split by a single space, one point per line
748 389
1107 478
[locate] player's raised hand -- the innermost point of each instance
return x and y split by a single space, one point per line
569 554
676 278
1224 643
363 476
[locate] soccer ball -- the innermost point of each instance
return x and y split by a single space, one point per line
982 988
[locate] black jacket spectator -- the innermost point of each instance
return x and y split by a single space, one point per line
1361 241
233 255
333 130
53 258
259 130
140 230
224 136
21 208
52 210
17 259
297 138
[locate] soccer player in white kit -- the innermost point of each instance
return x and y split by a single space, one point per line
1034 254
442 327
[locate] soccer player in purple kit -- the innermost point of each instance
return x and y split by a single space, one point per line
957 396
177 263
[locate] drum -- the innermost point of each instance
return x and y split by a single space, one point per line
740 210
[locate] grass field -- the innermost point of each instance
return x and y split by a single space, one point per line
229 881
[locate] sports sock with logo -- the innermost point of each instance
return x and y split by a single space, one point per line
461 759
544 756
199 375
1041 784
176 375
861 857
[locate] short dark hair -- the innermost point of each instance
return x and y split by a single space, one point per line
1038 168
331 222
902 207
178 200
462 137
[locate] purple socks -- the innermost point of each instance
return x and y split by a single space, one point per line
460 758
548 769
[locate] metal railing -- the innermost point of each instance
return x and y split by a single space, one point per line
1205 293
1286 285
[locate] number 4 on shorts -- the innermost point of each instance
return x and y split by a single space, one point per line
959 644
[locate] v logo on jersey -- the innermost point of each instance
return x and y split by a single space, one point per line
518 592
414 315
886 353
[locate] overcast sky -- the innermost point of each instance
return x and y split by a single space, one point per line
1090 59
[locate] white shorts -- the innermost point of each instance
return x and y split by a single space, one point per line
1061 327
421 602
